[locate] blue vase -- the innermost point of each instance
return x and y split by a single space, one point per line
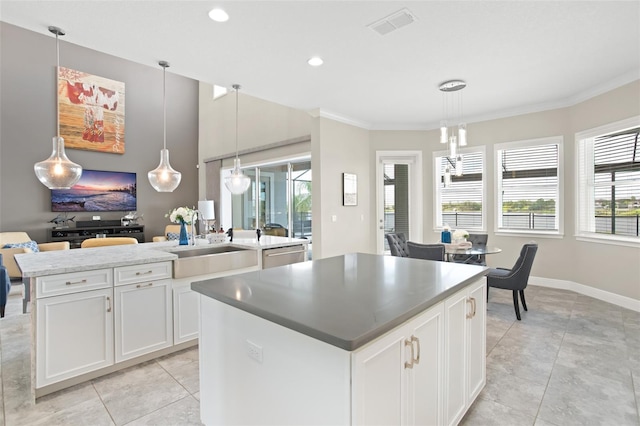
184 237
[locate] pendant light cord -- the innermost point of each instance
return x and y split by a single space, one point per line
164 105
57 86
236 86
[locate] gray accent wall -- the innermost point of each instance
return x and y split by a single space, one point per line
28 124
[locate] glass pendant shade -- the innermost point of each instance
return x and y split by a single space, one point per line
459 165
164 178
447 176
443 132
453 147
57 171
462 134
237 182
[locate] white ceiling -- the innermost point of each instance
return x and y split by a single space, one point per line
516 56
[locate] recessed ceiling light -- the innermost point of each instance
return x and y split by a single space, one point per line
316 61
218 15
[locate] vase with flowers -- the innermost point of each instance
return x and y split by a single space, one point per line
183 216
460 236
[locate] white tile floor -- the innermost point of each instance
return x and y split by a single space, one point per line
572 360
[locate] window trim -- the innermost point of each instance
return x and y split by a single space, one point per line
580 192
436 188
550 140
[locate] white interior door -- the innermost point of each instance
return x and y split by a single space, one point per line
398 195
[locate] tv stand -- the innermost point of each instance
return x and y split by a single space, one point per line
77 235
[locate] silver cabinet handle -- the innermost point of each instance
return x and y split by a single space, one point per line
76 282
144 285
410 344
109 304
144 273
470 314
473 304
417 340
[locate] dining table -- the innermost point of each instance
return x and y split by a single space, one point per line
471 253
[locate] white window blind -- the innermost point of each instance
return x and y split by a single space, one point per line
460 205
609 184
529 185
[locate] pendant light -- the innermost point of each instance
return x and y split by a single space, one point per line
164 178
57 171
459 139
237 182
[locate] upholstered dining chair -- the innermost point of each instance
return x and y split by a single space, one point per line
170 231
113 241
476 240
516 278
397 244
5 287
426 251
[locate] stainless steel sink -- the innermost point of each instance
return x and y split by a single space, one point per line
209 260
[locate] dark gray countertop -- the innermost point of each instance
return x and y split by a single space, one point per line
346 301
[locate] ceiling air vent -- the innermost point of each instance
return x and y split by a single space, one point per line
392 22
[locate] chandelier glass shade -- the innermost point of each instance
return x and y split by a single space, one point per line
237 182
57 171
164 178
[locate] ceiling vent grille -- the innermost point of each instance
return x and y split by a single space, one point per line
392 22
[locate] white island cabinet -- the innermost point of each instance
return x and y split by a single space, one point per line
75 325
356 339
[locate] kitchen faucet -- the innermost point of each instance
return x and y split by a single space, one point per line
198 213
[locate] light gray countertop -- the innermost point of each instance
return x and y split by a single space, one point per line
346 301
77 260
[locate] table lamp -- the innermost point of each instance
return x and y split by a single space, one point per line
205 207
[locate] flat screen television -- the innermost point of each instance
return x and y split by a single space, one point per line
97 191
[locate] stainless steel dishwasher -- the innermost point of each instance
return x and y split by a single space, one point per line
282 256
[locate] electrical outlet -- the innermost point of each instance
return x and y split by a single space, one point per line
254 351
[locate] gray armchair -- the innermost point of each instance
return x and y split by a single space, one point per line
426 251
516 278
5 286
397 244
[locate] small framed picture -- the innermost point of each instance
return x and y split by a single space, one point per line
349 189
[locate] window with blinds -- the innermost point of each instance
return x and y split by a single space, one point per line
460 204
609 184
529 185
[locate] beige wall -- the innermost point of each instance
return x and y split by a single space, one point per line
338 148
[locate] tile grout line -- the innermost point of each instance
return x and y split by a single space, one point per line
93 384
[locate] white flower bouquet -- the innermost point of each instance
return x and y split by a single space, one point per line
180 215
460 234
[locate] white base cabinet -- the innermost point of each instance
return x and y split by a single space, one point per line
396 380
74 335
186 313
465 349
143 321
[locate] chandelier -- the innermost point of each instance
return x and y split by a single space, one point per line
452 111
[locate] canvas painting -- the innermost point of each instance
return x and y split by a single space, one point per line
91 111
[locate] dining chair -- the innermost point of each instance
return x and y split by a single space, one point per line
476 240
397 244
113 241
426 251
516 278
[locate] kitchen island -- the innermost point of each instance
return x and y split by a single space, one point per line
353 339
97 310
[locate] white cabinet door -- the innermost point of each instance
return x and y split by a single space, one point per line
186 314
464 335
398 379
425 380
379 384
143 318
455 354
74 335
477 341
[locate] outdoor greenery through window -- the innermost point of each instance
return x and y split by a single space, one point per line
460 204
528 185
609 184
